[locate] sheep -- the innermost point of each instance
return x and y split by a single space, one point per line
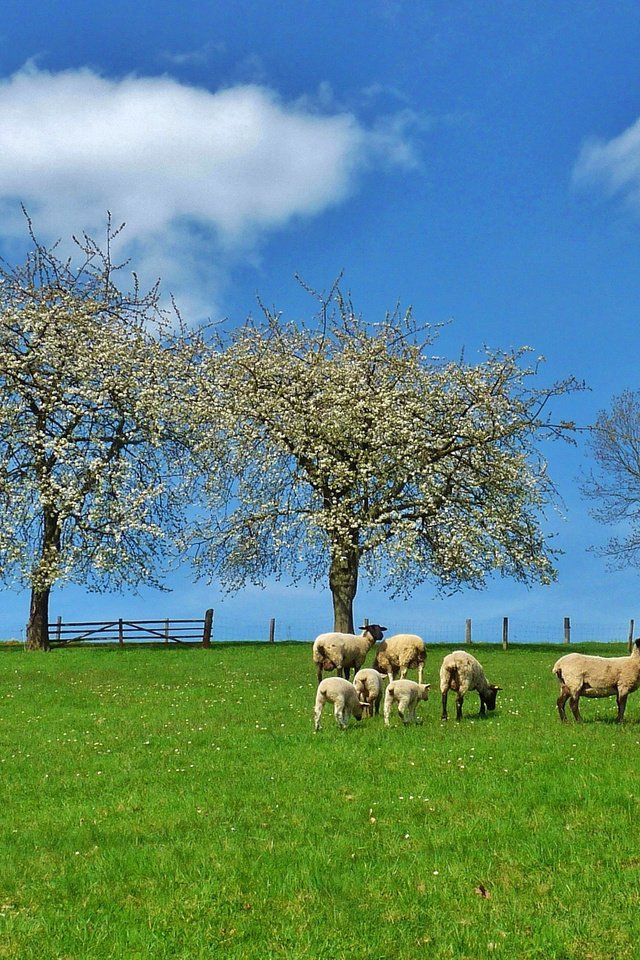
343 696
462 672
406 693
400 653
344 651
368 684
587 676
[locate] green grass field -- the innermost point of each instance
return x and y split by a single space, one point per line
175 803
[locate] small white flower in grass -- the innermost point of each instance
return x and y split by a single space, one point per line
436 872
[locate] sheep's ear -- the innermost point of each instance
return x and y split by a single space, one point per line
493 687
428 686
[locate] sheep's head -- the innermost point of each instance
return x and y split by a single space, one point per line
490 697
374 630
424 690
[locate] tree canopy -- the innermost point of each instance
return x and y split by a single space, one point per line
344 446
613 483
88 379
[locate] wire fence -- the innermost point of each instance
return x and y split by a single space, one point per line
230 628
454 633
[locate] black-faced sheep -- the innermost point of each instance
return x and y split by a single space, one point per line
343 696
344 651
406 694
462 672
581 675
397 654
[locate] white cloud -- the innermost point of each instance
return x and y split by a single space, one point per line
237 163
613 165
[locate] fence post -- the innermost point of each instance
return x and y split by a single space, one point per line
467 631
631 628
505 633
567 629
59 629
208 628
120 632
272 630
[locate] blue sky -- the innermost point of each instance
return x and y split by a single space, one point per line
480 161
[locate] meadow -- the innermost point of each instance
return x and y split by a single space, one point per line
175 803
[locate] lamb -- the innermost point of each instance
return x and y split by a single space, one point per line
402 652
406 693
368 684
462 672
343 696
588 676
344 651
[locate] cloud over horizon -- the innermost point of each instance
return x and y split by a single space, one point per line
236 164
613 165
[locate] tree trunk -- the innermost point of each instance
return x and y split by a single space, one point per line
343 581
38 626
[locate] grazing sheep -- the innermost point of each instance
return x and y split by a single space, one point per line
344 651
462 672
587 676
368 684
406 693
343 696
402 652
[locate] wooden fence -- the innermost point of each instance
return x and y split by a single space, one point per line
122 631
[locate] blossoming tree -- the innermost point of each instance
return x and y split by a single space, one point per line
348 448
86 389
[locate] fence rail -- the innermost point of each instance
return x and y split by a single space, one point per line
123 631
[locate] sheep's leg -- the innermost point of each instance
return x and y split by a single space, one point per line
420 672
319 672
317 713
483 706
621 700
403 672
459 702
560 702
444 705
573 703
387 711
339 713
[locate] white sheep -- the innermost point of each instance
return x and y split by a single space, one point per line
462 672
343 696
581 675
406 693
402 652
344 651
368 684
